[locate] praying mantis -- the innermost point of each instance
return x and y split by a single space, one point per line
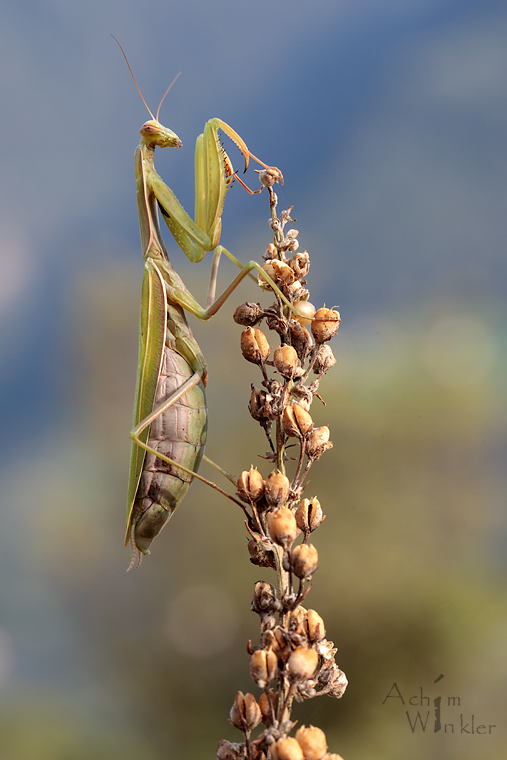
170 416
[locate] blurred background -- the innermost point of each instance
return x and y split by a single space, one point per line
389 122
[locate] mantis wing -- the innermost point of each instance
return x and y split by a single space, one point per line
152 334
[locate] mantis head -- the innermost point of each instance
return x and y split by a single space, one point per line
153 133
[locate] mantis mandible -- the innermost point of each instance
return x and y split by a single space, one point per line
170 416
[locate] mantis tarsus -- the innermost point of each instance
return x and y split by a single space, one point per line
170 417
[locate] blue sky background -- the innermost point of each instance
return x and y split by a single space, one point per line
389 122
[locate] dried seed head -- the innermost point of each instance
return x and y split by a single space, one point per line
306 310
276 488
302 664
248 314
286 360
314 626
309 515
250 485
304 560
245 713
318 442
254 345
313 742
268 702
264 597
286 749
229 750
263 667
325 324
282 527
300 264
332 756
325 360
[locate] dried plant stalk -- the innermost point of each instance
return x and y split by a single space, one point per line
293 660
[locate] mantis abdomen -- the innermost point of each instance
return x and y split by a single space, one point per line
178 433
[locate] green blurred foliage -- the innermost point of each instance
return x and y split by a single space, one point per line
408 583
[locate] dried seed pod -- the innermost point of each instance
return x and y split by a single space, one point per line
245 713
279 271
259 406
276 488
325 360
260 554
306 311
268 702
325 324
290 244
300 338
270 175
248 314
296 422
300 264
229 750
264 597
250 485
314 626
263 667
286 360
318 442
280 642
332 756
254 345
304 560
309 515
302 664
282 527
313 742
286 749
297 292
297 619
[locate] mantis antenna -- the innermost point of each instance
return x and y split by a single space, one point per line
135 82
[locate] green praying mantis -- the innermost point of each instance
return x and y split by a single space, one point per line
170 416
